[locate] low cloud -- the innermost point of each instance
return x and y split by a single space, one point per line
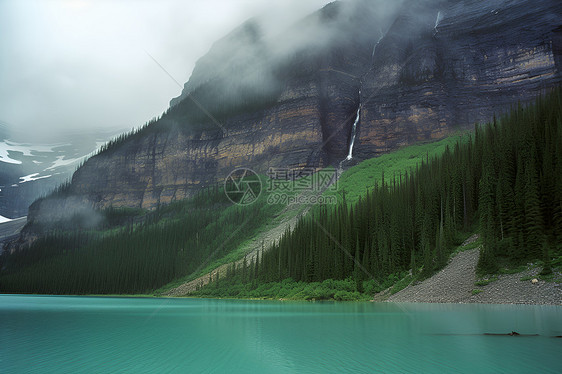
71 65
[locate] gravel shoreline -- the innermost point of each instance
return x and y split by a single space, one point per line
455 284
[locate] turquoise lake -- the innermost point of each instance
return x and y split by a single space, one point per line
52 334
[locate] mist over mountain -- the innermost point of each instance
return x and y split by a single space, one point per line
81 65
76 74
415 71
435 125
349 82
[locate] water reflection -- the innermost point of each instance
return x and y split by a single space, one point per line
69 334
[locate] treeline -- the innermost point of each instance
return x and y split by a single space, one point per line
215 100
170 243
121 138
505 182
225 97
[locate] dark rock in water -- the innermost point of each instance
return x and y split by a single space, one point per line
513 333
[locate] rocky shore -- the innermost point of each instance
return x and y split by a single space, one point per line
456 284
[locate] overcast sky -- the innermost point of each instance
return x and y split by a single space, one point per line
69 65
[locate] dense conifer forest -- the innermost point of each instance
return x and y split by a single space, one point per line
133 251
504 183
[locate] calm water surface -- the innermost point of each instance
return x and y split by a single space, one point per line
51 334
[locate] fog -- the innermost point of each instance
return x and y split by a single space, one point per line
79 66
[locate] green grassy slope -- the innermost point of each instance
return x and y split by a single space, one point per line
44 273
355 181
506 178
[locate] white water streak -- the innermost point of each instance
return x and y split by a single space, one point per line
437 21
383 34
354 131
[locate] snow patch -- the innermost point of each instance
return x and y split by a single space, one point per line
32 177
5 156
60 161
4 219
7 146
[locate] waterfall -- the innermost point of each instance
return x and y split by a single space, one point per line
354 130
377 43
437 21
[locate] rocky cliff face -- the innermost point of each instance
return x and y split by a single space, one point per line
417 72
468 61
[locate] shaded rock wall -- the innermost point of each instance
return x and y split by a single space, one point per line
422 83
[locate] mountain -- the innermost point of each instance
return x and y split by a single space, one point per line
10 229
31 170
356 78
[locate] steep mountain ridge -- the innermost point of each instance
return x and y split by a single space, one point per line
439 66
